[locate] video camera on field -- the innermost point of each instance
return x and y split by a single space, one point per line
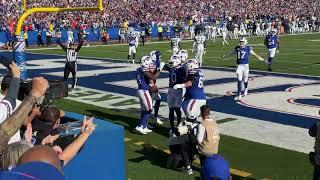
57 89
314 157
187 127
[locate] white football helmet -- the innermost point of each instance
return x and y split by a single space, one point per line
183 55
243 41
192 64
273 31
174 61
153 55
145 61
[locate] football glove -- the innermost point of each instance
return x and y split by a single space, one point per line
179 86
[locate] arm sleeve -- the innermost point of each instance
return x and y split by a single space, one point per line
13 92
79 46
200 133
63 46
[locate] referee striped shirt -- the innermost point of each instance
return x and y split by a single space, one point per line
71 55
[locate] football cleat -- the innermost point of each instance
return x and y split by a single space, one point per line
238 98
147 130
159 121
141 130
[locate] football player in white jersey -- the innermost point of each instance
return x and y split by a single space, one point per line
200 44
224 35
70 36
132 42
175 44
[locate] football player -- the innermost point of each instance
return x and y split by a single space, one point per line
200 44
71 60
175 44
132 41
155 67
272 44
174 99
195 96
243 52
70 36
183 55
144 77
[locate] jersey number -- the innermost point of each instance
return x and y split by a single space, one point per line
200 84
241 54
271 42
173 77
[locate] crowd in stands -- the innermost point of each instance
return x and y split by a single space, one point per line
168 12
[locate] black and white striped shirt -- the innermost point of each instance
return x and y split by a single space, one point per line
71 55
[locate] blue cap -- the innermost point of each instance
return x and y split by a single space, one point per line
33 171
215 166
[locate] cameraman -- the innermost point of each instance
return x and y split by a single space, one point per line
207 134
9 91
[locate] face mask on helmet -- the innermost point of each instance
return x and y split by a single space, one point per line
145 61
243 42
183 55
192 64
175 61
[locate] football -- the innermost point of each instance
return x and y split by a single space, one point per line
153 89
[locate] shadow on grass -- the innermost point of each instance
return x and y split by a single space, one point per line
129 123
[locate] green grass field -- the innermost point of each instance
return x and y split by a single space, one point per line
298 54
146 156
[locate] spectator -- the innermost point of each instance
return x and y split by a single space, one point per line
9 89
39 39
13 123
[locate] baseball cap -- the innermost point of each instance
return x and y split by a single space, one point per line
33 171
215 167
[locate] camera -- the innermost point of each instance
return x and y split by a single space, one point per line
187 127
57 89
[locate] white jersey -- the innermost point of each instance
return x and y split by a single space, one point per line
70 36
175 42
200 40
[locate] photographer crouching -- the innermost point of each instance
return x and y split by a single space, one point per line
203 137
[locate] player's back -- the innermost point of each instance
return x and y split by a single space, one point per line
200 39
175 42
132 40
243 54
195 91
142 80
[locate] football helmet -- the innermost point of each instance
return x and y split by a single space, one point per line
192 64
145 61
174 61
243 41
183 55
153 55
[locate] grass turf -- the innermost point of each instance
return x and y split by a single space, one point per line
145 162
298 54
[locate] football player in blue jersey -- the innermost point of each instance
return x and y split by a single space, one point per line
272 43
144 77
243 52
194 97
132 42
174 99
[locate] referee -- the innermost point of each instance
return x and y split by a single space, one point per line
71 61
